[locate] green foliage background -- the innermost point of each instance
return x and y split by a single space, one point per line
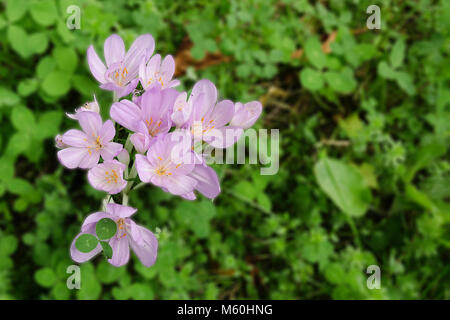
364 168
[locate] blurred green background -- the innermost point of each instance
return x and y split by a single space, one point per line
364 167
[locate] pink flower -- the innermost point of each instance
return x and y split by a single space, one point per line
157 73
108 176
245 115
208 120
85 147
88 106
164 168
149 118
129 234
120 73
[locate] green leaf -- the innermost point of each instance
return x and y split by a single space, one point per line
107 250
107 273
57 83
405 81
23 119
8 97
16 9
342 81
311 79
86 243
344 185
313 51
105 228
397 54
44 12
385 71
45 277
17 37
48 124
27 87
66 58
37 43
8 244
19 186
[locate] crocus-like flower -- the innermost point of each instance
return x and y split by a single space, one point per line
245 115
157 73
209 119
85 148
120 73
88 106
108 176
129 234
148 119
164 167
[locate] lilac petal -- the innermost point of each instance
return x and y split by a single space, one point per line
173 83
121 251
148 251
110 86
79 256
135 233
75 138
176 185
140 48
114 49
207 180
189 196
222 113
90 160
107 132
124 91
223 137
181 110
71 157
119 210
144 169
208 90
92 219
110 150
167 69
126 113
246 115
96 65
141 142
90 122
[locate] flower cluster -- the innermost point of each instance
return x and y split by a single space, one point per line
163 126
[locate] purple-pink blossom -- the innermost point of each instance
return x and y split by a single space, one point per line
142 241
157 73
121 70
85 147
108 176
88 106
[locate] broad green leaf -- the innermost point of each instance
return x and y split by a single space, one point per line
19 186
37 43
341 81
8 244
311 79
48 124
44 12
405 81
45 277
16 9
23 119
66 58
27 86
397 54
107 273
385 71
344 185
18 39
57 83
8 97
313 51
18 143
45 67
105 228
86 243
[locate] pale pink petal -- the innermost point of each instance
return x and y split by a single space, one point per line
107 132
202 106
176 185
114 49
90 122
75 138
207 180
96 65
121 251
222 113
144 169
141 142
126 113
119 210
90 160
246 115
93 218
140 48
124 91
110 150
71 157
223 137
147 251
167 69
189 196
